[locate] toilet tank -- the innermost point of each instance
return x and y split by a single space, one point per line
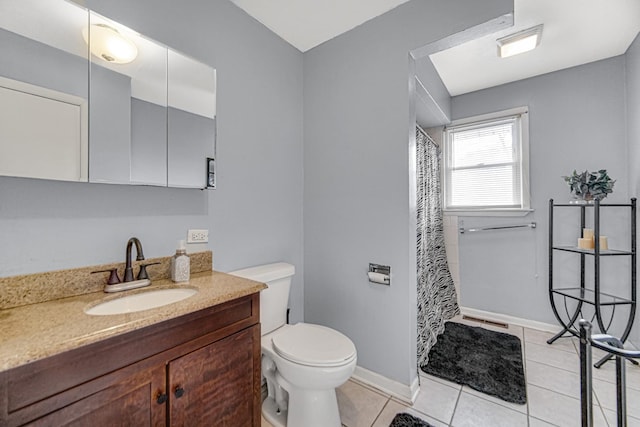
274 299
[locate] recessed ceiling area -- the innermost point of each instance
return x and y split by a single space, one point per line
575 32
307 23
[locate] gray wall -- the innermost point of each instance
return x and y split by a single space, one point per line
577 121
633 133
256 214
357 206
433 102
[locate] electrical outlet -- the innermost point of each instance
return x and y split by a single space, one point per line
198 236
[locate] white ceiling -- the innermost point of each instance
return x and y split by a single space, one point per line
308 23
575 32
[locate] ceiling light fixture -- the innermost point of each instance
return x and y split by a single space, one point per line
520 42
108 44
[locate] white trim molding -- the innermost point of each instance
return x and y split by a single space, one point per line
516 120
488 212
504 318
402 392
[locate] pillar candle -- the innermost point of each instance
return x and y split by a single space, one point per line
604 243
585 243
587 233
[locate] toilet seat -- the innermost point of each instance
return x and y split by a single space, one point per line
313 345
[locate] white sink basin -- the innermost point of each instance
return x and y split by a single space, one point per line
141 301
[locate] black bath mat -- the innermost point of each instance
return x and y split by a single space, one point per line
406 420
487 361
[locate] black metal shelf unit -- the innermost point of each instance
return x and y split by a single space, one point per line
592 295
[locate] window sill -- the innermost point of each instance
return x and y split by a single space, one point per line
488 212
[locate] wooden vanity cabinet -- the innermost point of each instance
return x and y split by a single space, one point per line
199 369
213 383
127 401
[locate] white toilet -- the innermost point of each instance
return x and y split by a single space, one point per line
302 363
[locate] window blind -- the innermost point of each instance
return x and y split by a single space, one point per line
483 165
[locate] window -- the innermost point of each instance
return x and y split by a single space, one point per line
487 163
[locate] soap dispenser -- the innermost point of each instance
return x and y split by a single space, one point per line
180 265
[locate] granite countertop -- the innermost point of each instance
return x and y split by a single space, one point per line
36 331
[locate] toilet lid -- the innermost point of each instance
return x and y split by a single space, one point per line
313 345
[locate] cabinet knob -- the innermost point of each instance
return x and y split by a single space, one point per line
179 391
162 397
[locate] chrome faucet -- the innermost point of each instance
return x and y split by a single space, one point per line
128 271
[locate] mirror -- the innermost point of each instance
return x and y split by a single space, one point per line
43 90
191 122
127 105
150 118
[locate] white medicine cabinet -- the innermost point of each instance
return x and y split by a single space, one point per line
84 98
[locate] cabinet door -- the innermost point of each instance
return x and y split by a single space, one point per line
218 385
130 402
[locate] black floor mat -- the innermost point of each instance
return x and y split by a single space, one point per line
487 361
406 420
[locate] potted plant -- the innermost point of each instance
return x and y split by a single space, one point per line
587 186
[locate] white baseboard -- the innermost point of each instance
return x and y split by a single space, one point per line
402 392
497 317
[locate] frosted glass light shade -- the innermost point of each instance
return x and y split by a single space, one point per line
519 42
108 44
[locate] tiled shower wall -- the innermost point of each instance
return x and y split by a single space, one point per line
451 246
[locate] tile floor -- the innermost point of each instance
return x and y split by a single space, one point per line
553 392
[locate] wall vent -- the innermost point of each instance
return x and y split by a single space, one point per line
486 321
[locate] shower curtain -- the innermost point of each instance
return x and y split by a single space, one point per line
437 301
